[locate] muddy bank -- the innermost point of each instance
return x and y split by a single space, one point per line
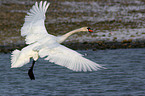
86 46
104 45
113 22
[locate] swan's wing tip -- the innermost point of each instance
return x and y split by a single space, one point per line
33 28
71 59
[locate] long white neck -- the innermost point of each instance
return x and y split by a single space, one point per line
65 36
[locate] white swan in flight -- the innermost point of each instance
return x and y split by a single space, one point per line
41 44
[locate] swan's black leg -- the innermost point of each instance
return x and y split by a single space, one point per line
30 72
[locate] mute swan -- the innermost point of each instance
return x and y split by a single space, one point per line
41 44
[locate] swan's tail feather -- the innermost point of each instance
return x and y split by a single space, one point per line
18 59
14 57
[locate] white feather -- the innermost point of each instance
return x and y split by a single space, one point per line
20 58
41 44
64 56
34 23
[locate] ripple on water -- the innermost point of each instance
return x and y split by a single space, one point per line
124 76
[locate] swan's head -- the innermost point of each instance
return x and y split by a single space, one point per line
87 29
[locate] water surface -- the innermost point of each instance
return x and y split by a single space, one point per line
124 76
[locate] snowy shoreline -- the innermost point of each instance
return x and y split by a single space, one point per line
113 22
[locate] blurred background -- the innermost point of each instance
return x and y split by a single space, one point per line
111 20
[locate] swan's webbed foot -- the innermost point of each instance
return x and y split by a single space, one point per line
30 72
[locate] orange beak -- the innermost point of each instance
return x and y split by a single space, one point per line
90 30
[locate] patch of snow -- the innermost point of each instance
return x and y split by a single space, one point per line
118 35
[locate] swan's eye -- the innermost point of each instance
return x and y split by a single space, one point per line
89 29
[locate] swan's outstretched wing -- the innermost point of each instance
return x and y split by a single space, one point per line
64 56
34 28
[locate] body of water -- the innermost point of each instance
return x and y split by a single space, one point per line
124 76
